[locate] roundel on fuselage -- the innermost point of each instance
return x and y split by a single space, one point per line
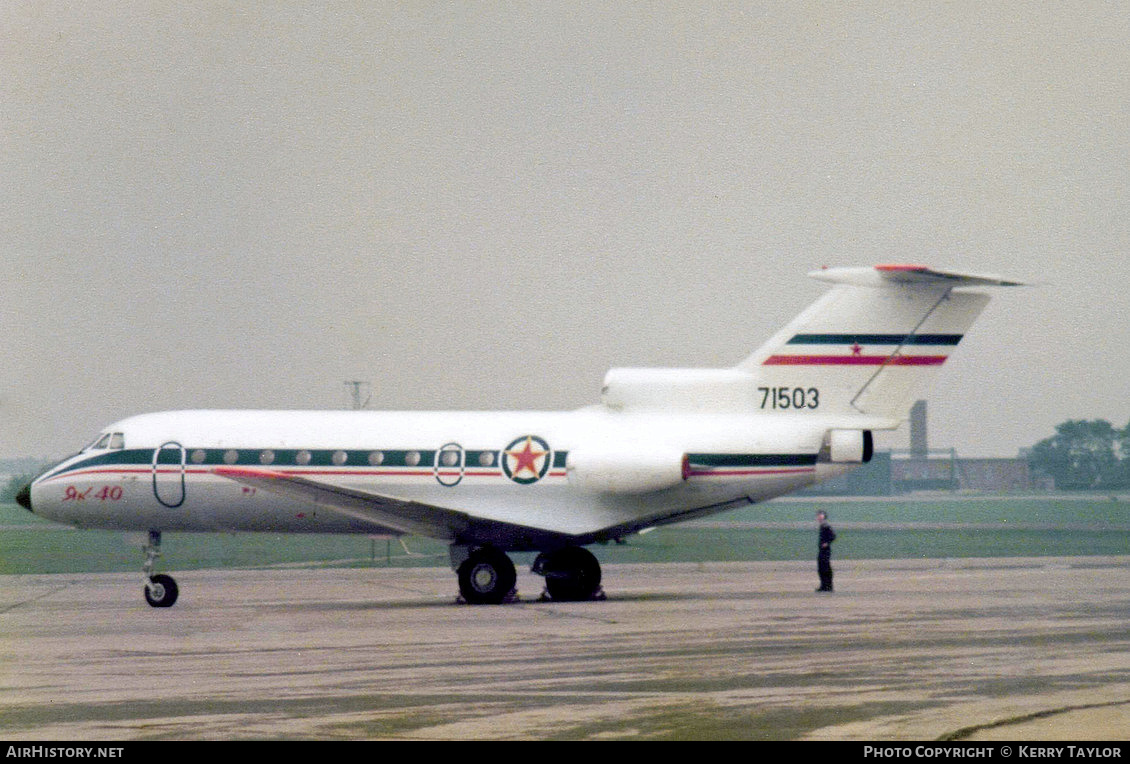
526 459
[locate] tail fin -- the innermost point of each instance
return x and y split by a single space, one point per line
871 344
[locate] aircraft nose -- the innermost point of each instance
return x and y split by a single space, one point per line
23 498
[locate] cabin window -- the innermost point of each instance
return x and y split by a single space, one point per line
266 457
198 456
450 458
486 459
339 457
412 458
302 457
231 456
376 458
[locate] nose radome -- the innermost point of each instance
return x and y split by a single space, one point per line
23 498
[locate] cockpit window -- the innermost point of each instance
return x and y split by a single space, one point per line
107 440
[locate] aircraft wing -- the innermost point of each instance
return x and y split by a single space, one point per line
391 513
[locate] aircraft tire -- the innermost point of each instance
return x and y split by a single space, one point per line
162 591
486 577
572 574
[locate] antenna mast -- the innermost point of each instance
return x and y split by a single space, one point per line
355 388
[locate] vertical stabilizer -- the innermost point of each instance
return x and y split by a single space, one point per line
871 344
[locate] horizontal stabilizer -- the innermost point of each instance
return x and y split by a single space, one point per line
888 275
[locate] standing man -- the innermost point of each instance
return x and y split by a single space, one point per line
824 552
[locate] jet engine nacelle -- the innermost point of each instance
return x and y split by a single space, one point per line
629 470
850 446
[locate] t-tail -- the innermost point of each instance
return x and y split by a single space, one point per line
869 346
872 343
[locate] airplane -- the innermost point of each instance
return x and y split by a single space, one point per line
662 446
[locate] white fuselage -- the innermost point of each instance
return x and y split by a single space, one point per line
542 470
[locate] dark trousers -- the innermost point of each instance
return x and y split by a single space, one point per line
824 567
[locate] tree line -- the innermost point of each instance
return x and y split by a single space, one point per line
1089 454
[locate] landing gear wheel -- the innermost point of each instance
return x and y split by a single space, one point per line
572 574
486 577
161 591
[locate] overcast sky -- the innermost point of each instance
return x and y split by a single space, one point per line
486 205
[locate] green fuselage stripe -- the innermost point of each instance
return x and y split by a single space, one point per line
422 458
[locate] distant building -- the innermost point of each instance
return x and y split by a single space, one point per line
892 473
993 475
872 479
926 471
923 469
946 471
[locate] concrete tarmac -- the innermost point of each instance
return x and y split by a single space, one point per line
1021 649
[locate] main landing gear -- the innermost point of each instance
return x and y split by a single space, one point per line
160 590
487 576
572 574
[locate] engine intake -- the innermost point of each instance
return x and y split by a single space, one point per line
850 446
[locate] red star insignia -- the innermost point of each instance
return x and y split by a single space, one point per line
526 458
856 349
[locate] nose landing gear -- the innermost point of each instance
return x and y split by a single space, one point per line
160 589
